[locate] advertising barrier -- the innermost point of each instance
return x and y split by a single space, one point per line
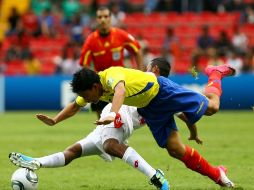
36 92
2 93
238 91
54 92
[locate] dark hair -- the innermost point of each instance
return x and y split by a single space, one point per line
84 80
163 65
103 8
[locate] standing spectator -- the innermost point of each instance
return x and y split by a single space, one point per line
235 61
13 53
150 5
38 6
249 15
248 62
192 5
148 56
223 43
214 59
235 5
2 62
13 20
77 30
23 41
2 66
117 16
19 47
142 42
32 65
70 9
85 17
47 23
105 48
171 46
239 41
164 5
31 23
69 62
205 40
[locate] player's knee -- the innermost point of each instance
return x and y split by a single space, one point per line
109 146
212 110
172 150
172 153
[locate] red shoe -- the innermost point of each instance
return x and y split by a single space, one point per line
225 70
223 180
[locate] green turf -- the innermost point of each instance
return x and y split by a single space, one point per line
228 139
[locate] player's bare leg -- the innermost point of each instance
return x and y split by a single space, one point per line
131 157
213 105
112 147
194 161
72 152
213 89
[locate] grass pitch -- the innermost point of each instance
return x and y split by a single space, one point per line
228 139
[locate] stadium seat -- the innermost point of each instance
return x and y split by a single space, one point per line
181 66
15 68
48 68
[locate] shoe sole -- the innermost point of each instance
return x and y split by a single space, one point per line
17 160
232 69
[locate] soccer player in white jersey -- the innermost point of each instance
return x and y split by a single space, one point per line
94 144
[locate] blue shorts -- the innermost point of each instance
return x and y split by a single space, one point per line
171 98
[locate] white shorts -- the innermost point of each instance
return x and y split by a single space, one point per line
92 144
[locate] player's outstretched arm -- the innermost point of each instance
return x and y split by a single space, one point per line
117 102
192 129
67 112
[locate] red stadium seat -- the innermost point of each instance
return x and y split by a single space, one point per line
181 66
15 68
48 68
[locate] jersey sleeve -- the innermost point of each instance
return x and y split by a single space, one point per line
113 77
80 101
86 53
130 43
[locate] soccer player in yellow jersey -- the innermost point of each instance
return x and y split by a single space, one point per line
157 100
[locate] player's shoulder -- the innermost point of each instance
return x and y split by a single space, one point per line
92 36
119 31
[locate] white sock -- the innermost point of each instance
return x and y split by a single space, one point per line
135 160
53 160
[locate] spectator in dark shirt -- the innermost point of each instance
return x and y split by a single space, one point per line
13 20
223 43
205 40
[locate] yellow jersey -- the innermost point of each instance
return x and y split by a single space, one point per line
140 87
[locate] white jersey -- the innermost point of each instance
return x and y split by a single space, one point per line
131 121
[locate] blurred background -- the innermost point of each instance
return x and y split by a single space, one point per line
41 40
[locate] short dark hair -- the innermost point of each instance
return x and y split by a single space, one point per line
163 65
84 80
103 8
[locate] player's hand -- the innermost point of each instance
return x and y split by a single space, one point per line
199 141
105 121
45 119
194 134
